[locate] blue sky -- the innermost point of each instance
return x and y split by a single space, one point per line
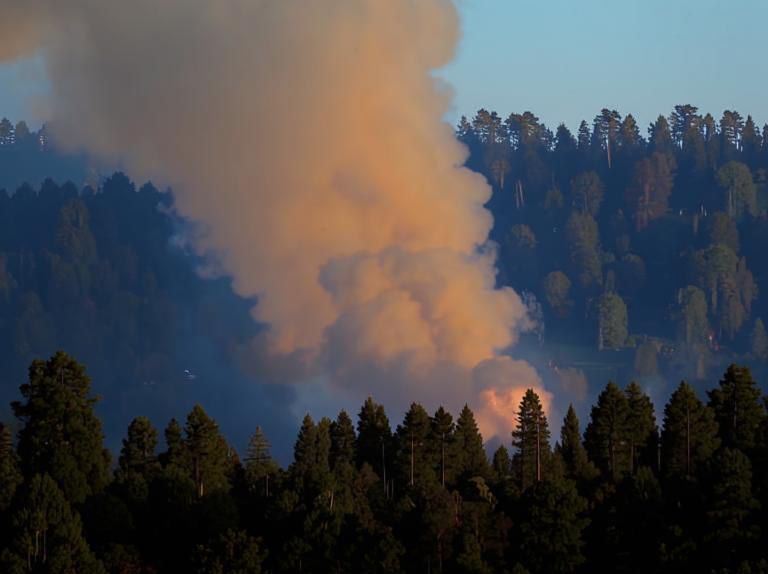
566 59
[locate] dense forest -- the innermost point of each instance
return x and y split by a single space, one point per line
627 496
651 246
107 275
639 256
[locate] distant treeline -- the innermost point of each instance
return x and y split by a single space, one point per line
653 243
28 156
105 275
627 496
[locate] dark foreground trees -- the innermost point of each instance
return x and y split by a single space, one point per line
424 498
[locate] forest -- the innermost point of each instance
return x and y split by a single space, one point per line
629 495
639 258
647 245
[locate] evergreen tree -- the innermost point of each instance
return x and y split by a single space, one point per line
259 466
414 462
577 465
374 439
587 193
234 552
175 453
689 437
443 446
471 458
612 322
10 474
342 441
138 464
551 526
641 425
738 409
606 436
581 233
61 435
501 464
209 457
47 534
531 439
730 512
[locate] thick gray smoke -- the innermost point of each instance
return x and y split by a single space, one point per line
308 139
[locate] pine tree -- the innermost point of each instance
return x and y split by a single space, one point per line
577 465
443 446
689 437
731 508
10 474
234 552
414 462
737 407
641 425
47 534
175 453
259 466
531 439
138 464
550 530
342 440
606 436
471 458
374 440
61 435
502 464
209 456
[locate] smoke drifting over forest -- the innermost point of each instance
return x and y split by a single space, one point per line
308 140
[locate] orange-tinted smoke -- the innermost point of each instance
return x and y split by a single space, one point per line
308 138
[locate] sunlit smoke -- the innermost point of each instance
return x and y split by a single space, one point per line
308 138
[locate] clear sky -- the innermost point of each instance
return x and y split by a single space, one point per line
566 59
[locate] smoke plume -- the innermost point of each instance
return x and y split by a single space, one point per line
308 139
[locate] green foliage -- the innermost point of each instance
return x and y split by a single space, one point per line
689 437
10 473
578 467
61 435
208 453
235 552
260 468
581 233
692 315
612 322
738 189
587 192
413 457
737 406
607 435
47 534
557 289
550 533
531 441
730 512
642 433
472 460
138 464
374 437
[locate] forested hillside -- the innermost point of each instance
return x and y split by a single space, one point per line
648 243
684 493
106 275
